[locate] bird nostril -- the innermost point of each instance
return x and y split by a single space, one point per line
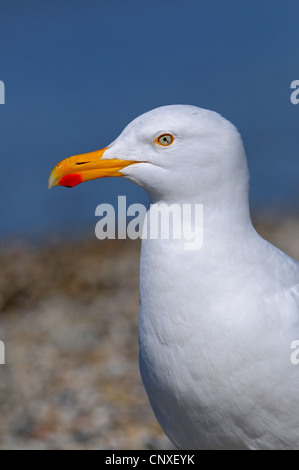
81 163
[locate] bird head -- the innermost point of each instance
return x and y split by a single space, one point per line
173 152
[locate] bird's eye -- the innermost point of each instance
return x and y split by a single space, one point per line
165 139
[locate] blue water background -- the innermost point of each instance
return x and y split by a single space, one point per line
76 72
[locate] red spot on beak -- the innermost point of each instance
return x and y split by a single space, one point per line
70 180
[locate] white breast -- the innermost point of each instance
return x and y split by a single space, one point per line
215 338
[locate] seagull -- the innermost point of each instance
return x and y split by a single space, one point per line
217 324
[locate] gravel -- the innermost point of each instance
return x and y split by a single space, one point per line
68 318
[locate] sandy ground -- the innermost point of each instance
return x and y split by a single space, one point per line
68 318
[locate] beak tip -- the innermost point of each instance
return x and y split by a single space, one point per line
51 181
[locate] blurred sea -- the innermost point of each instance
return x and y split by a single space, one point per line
75 75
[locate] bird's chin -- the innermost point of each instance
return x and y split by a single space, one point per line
139 174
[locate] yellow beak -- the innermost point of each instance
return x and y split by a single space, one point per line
87 166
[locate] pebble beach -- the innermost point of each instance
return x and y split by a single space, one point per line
69 322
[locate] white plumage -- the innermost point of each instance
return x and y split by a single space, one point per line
215 324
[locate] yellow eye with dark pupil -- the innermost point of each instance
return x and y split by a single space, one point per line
165 139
